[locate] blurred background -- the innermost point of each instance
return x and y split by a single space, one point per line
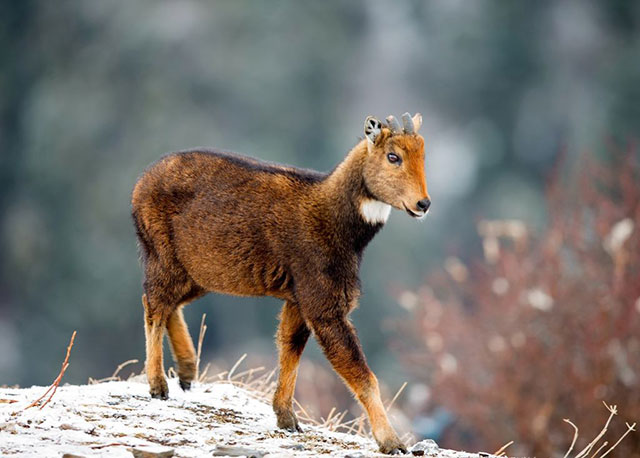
514 305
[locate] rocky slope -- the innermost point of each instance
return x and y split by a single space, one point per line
120 419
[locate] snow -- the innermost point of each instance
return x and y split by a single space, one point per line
110 418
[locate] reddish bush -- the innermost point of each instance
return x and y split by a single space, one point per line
546 326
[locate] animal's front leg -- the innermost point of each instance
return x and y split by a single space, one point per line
341 345
291 338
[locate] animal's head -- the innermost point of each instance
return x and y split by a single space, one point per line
394 166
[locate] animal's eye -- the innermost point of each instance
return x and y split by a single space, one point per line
394 158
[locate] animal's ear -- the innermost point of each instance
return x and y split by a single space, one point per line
372 128
417 121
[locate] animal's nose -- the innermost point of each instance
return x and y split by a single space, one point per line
424 204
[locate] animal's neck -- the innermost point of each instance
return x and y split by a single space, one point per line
346 180
357 215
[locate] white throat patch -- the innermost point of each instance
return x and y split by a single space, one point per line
373 211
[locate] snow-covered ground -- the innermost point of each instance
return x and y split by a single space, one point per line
110 418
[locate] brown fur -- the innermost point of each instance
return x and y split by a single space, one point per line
209 221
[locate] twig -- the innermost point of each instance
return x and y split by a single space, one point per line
115 376
408 438
337 423
575 437
202 377
235 366
221 375
613 411
203 330
56 382
629 429
361 426
269 376
326 422
356 422
113 444
584 452
503 448
396 396
122 366
604 444
248 373
301 409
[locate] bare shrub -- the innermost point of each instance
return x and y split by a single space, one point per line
546 326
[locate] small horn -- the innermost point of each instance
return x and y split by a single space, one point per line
408 124
417 121
393 124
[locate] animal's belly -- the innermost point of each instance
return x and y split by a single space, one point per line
227 252
220 265
221 273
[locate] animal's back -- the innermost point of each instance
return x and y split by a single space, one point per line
177 177
219 216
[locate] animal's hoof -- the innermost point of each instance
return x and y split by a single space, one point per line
159 390
186 372
393 447
288 421
160 395
185 385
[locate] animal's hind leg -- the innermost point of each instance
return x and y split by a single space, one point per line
154 325
182 345
167 285
291 338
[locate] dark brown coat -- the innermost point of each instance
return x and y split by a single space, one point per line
210 221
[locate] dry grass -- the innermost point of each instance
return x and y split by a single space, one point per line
501 450
115 376
613 410
261 384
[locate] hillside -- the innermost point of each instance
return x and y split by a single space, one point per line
110 419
